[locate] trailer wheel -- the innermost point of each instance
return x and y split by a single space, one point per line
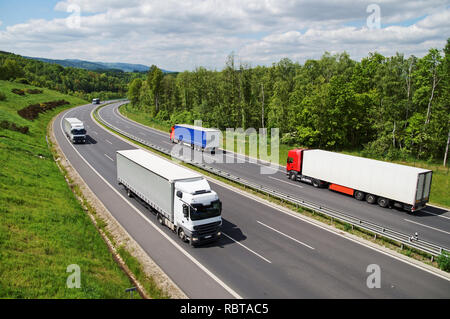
371 199
359 195
383 202
160 219
129 193
315 183
181 234
293 176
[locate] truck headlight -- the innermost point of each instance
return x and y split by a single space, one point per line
219 233
194 238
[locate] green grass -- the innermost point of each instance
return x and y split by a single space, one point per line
440 186
43 228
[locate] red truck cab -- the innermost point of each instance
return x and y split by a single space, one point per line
172 133
294 161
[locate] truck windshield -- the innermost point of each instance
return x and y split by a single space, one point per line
78 132
206 211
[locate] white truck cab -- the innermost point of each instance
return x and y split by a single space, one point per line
74 129
197 210
180 198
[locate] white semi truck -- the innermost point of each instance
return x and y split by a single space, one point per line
387 184
74 129
181 199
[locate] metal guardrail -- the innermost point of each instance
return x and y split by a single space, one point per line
407 240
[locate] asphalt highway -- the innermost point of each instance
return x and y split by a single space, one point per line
431 223
264 253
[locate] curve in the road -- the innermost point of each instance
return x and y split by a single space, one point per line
336 267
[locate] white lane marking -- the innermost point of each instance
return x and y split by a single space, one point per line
95 132
108 141
438 215
265 259
443 231
296 240
109 157
336 232
280 180
184 252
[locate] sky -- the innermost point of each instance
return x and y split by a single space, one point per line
183 35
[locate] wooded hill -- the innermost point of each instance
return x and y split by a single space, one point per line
393 107
82 83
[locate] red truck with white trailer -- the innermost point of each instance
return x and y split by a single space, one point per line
375 181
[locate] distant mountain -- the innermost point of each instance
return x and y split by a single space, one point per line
98 66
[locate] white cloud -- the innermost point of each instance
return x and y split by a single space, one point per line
181 35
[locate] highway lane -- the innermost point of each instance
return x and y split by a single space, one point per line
432 224
265 252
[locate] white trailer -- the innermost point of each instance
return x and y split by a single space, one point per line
375 181
180 198
74 129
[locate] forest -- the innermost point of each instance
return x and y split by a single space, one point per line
105 84
393 107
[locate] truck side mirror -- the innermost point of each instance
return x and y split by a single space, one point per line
185 211
179 194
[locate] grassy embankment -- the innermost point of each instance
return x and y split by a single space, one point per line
439 194
43 228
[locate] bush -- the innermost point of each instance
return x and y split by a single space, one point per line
34 91
18 91
444 261
2 97
22 81
289 138
13 127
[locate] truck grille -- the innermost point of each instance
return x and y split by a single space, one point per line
206 229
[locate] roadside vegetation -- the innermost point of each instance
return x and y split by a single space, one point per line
43 228
439 194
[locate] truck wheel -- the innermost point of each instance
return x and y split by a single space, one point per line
359 195
315 183
371 199
181 234
160 219
383 202
293 176
129 193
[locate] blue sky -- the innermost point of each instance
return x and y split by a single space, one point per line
20 11
184 34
